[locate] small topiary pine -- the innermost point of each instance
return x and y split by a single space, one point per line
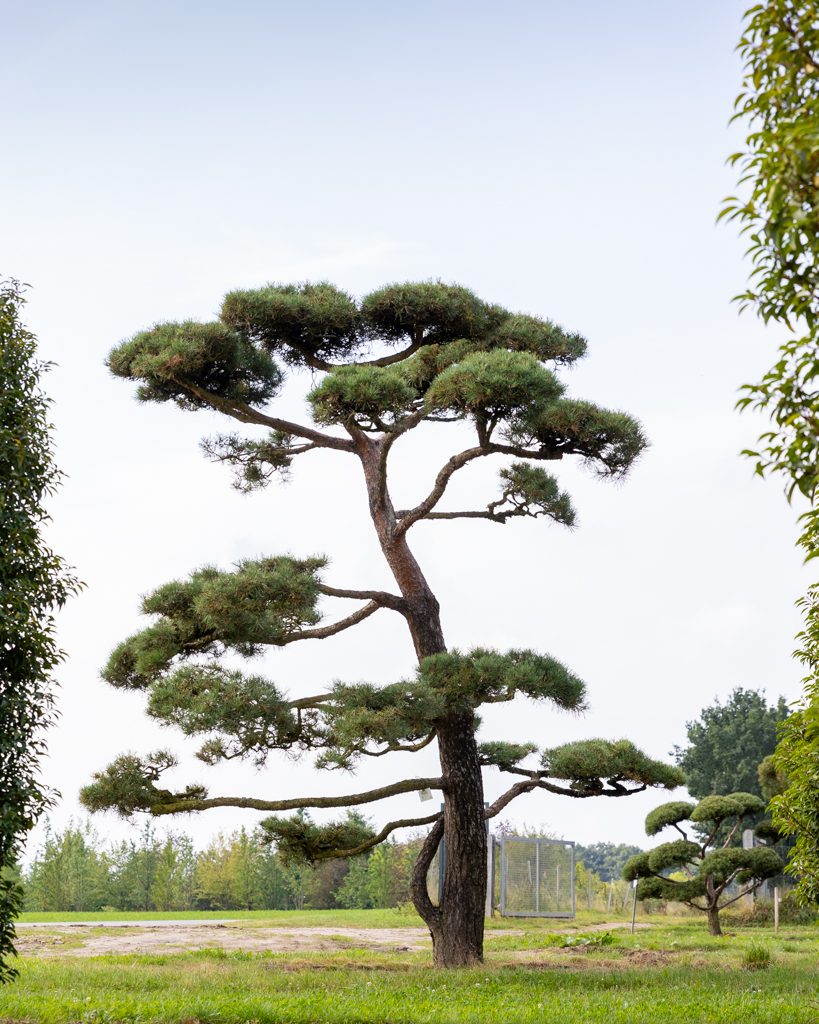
705 889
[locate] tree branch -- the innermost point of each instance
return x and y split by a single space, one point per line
322 632
517 790
542 454
372 795
396 357
727 881
537 781
382 835
452 466
321 364
745 892
314 362
311 702
731 835
246 414
382 597
486 447
497 517
401 428
419 893
412 747
711 835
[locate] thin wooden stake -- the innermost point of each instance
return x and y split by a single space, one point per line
611 893
776 909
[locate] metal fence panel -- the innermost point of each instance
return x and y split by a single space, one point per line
536 878
533 877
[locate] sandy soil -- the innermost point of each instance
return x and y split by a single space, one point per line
77 940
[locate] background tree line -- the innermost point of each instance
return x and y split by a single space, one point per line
74 870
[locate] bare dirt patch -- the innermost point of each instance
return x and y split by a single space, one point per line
586 958
76 940
649 957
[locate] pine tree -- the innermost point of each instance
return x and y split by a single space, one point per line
406 355
716 868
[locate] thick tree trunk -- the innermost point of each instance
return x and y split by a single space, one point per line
713 921
457 924
459 942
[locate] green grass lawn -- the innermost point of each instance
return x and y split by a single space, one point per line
672 973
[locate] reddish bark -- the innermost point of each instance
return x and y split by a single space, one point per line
457 924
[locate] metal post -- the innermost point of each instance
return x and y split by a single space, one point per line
537 878
776 909
634 908
611 893
490 877
572 886
589 890
557 889
503 877
748 844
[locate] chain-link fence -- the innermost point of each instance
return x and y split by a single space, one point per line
535 877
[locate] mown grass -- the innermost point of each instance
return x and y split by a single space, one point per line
671 974
347 988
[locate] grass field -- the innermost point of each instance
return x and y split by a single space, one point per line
672 973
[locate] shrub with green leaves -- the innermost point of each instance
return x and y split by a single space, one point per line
33 582
780 174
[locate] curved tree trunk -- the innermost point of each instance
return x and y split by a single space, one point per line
457 924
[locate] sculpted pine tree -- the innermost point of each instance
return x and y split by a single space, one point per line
437 354
717 863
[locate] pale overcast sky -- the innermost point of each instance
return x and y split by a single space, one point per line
566 160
